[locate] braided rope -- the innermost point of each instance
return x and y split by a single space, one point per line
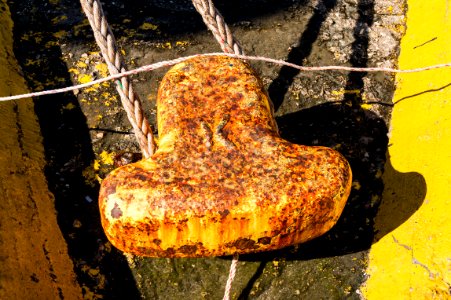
215 22
130 100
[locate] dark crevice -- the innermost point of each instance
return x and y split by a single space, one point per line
245 293
19 129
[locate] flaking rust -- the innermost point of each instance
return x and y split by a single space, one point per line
222 180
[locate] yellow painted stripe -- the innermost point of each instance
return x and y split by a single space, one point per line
413 261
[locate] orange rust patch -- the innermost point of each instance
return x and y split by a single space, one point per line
222 180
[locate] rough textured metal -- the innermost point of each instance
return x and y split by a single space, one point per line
222 180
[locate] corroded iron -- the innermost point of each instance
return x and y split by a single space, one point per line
222 180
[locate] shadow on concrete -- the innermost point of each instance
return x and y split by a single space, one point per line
68 153
360 135
403 196
280 85
179 17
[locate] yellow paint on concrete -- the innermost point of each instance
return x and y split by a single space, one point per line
34 263
413 261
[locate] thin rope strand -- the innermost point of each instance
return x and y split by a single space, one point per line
167 63
232 273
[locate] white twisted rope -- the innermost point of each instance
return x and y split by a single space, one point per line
215 22
232 273
130 101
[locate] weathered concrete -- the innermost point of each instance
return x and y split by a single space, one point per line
34 263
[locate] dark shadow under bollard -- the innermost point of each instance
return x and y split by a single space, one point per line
361 136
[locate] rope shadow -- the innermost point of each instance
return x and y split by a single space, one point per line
359 55
279 86
409 96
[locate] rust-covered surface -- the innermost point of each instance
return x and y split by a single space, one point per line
222 180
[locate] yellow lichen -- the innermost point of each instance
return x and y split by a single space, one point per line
366 106
31 62
81 64
69 106
148 26
84 78
93 272
96 165
356 185
102 68
60 34
79 27
107 158
98 178
182 43
166 45
90 176
58 19
74 71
